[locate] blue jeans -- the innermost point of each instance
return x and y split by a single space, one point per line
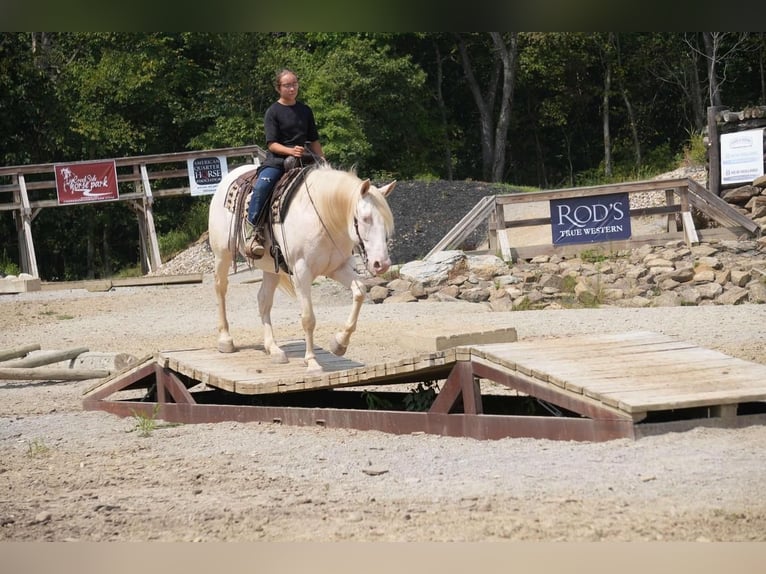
266 181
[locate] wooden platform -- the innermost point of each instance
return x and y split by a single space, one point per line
19 285
605 384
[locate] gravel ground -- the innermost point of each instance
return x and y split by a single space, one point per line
66 474
70 475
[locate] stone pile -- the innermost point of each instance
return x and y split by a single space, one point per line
750 200
715 273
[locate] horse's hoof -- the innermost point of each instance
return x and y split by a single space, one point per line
226 346
279 359
314 369
336 348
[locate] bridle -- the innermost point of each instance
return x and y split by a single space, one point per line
360 244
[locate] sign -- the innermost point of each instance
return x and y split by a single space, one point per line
205 173
590 219
86 182
741 156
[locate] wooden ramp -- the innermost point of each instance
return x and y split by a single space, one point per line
587 387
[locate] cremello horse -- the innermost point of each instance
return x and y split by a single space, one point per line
330 214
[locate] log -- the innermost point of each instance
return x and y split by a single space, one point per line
6 354
44 358
49 374
112 362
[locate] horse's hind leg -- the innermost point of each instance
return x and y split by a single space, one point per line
265 301
225 342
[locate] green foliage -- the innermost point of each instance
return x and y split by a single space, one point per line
190 229
8 267
146 424
422 396
394 105
568 284
593 255
375 402
694 152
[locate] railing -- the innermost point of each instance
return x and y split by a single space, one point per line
26 189
492 210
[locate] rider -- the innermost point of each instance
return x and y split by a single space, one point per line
289 125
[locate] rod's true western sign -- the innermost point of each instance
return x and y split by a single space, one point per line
86 181
590 219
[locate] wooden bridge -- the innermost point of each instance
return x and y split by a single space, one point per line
590 387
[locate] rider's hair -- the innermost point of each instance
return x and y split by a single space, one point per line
280 74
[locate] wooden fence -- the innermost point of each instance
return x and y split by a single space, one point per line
27 189
680 196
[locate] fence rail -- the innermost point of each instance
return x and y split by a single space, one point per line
680 196
27 189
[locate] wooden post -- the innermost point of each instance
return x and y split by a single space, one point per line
154 248
714 151
28 259
690 231
670 200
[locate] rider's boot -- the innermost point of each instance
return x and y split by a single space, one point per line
253 241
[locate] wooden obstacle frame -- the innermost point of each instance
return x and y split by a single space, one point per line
587 388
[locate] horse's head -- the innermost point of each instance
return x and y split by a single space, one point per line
375 224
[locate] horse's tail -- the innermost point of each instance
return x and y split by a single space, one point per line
286 284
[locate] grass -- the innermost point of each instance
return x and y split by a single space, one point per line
59 316
37 448
145 425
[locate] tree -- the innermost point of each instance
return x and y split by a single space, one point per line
493 96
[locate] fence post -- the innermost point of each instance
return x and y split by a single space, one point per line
714 152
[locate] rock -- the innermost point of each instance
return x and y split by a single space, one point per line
720 273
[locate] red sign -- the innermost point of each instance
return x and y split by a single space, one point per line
87 181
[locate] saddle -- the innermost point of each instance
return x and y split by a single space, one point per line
237 200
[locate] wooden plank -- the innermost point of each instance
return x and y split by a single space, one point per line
629 187
466 225
107 284
16 285
718 208
633 373
690 232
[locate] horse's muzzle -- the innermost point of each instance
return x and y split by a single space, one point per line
378 267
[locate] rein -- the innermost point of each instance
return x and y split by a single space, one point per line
362 250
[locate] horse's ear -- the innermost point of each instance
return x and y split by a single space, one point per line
365 187
385 190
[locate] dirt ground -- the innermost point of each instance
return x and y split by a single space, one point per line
73 475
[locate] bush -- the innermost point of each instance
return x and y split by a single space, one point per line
8 267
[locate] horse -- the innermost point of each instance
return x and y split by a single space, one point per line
331 213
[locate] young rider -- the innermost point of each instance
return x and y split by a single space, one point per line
289 126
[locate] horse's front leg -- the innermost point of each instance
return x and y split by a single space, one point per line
265 302
348 277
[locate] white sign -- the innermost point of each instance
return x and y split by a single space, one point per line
205 173
741 156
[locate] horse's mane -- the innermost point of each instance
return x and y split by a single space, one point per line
335 194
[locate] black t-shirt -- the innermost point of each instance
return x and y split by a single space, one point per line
290 126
